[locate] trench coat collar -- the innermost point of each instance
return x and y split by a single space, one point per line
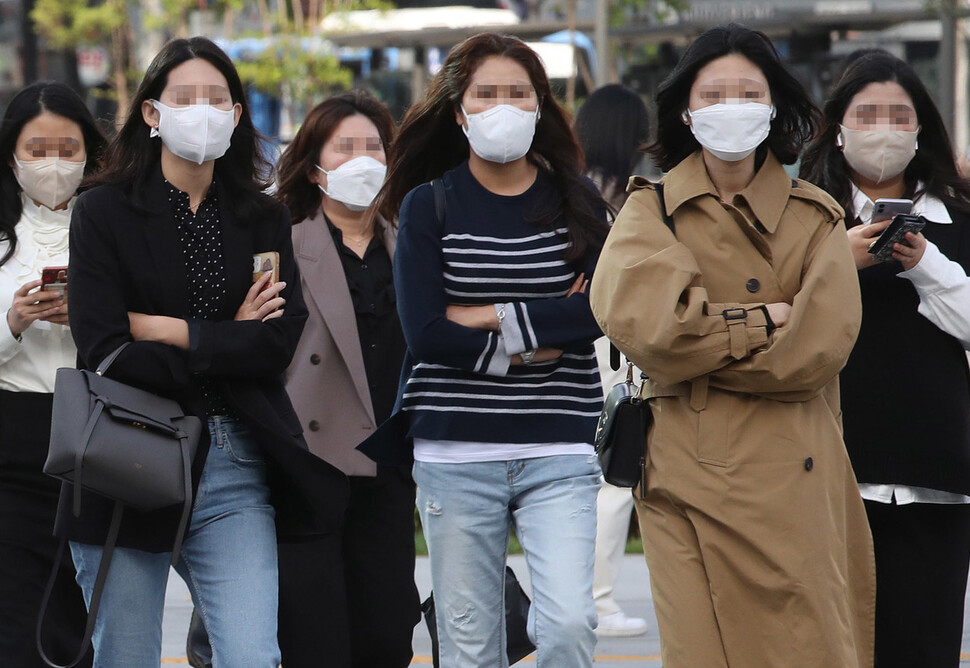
766 195
326 284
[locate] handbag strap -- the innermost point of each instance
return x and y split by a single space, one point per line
99 582
669 222
111 358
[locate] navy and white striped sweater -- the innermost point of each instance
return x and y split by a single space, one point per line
461 386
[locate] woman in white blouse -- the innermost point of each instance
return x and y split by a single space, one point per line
905 388
48 143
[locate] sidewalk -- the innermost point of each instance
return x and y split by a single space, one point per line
632 593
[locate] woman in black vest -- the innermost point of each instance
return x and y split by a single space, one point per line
905 388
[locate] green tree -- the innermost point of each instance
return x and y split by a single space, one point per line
298 65
68 24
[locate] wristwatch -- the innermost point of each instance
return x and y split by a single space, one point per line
528 356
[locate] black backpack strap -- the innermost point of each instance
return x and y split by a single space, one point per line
439 199
667 218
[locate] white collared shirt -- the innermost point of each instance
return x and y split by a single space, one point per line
944 295
29 365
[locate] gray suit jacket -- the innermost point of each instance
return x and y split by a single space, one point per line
326 380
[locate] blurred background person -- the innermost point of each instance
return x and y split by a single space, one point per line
905 388
48 143
742 315
612 127
351 596
502 394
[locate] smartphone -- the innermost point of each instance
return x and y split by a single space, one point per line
266 261
54 279
882 248
887 209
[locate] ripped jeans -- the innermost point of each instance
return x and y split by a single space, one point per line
466 511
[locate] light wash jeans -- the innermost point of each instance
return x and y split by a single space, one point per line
228 561
466 511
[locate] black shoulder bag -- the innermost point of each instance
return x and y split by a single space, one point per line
123 443
621 432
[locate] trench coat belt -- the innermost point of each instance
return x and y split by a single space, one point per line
696 389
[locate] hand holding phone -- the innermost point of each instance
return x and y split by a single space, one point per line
882 248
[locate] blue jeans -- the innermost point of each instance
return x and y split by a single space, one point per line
228 561
466 511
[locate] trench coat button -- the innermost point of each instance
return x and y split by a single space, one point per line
314 359
809 463
314 425
753 285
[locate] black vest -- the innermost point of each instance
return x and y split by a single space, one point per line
906 386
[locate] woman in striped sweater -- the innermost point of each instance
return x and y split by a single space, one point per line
502 390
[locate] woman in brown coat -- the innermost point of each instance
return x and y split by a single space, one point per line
742 313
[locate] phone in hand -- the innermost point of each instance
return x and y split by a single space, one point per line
882 248
54 279
268 261
886 208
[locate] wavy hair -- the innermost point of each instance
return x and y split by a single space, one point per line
796 118
431 143
299 161
29 103
132 157
933 165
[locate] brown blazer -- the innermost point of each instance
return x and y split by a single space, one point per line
326 380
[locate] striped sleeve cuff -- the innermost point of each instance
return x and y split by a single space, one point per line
516 329
495 359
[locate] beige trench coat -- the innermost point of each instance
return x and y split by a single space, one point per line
754 531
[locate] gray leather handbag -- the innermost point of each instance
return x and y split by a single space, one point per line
120 441
123 443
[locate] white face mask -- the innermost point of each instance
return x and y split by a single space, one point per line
355 183
50 181
501 134
731 131
198 132
878 154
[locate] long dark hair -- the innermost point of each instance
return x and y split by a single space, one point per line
132 157
430 142
612 128
299 161
933 165
29 103
795 116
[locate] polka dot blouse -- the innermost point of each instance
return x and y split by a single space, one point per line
200 235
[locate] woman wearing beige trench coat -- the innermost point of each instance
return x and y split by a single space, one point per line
755 533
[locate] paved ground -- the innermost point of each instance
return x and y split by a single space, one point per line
633 594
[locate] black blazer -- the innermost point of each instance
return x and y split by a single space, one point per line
126 256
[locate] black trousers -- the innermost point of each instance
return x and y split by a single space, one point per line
28 501
922 555
350 599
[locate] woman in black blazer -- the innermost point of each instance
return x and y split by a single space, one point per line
162 255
